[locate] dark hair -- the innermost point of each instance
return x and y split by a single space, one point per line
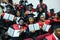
1 6
58 13
40 0
29 22
19 12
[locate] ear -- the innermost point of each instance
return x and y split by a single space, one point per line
54 31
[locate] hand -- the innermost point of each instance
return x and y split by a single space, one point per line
15 18
40 27
5 28
21 31
33 31
6 33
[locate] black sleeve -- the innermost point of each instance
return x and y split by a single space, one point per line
46 8
51 28
37 8
44 39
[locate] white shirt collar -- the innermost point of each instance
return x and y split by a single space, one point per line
56 37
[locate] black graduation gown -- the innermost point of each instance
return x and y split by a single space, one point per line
2 23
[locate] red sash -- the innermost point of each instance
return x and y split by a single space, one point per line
15 26
50 37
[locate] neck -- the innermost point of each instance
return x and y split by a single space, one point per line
57 36
58 19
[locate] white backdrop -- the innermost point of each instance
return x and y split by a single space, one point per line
50 3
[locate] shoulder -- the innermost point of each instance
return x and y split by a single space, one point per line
15 24
47 21
49 37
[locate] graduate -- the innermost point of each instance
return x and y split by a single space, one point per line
22 6
2 24
56 33
33 27
18 16
30 10
41 23
43 6
22 27
50 23
52 13
9 11
40 12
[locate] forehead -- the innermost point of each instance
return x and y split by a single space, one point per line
58 29
21 20
41 16
31 18
18 12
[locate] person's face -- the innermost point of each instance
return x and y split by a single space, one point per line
8 10
40 9
42 18
57 32
56 16
30 7
18 13
21 22
53 17
31 20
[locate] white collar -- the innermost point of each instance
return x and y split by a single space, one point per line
56 37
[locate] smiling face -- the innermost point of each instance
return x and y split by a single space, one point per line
21 22
42 18
31 20
18 13
40 9
57 32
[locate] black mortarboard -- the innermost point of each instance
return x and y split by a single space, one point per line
30 15
21 19
56 25
58 13
30 5
51 10
1 6
8 6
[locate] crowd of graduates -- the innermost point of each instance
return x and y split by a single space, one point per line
46 24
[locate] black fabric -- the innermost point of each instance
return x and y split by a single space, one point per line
54 25
58 13
2 22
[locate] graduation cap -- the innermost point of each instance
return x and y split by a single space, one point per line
30 5
1 6
30 15
21 19
51 10
9 6
56 25
58 13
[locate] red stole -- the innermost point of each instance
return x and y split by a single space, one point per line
16 27
51 37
